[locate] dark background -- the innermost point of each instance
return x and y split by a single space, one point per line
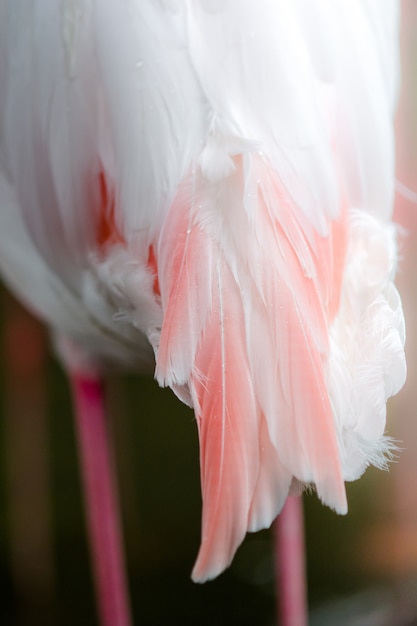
362 568
354 563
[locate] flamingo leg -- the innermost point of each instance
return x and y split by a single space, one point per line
26 457
101 502
290 564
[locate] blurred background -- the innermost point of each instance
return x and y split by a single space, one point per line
362 568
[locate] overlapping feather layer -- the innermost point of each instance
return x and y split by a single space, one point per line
215 179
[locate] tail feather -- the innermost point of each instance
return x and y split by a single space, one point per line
272 486
185 274
228 429
255 298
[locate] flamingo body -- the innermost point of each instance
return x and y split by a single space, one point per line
212 183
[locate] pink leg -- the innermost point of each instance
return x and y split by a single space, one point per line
290 564
101 502
26 457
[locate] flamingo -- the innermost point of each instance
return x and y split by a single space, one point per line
204 190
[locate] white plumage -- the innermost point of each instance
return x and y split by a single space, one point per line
215 179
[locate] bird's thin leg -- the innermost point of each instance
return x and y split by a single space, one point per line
290 564
26 456
101 502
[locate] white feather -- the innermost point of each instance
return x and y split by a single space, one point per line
230 139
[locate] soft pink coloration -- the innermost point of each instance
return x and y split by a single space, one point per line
233 402
209 184
290 564
101 505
